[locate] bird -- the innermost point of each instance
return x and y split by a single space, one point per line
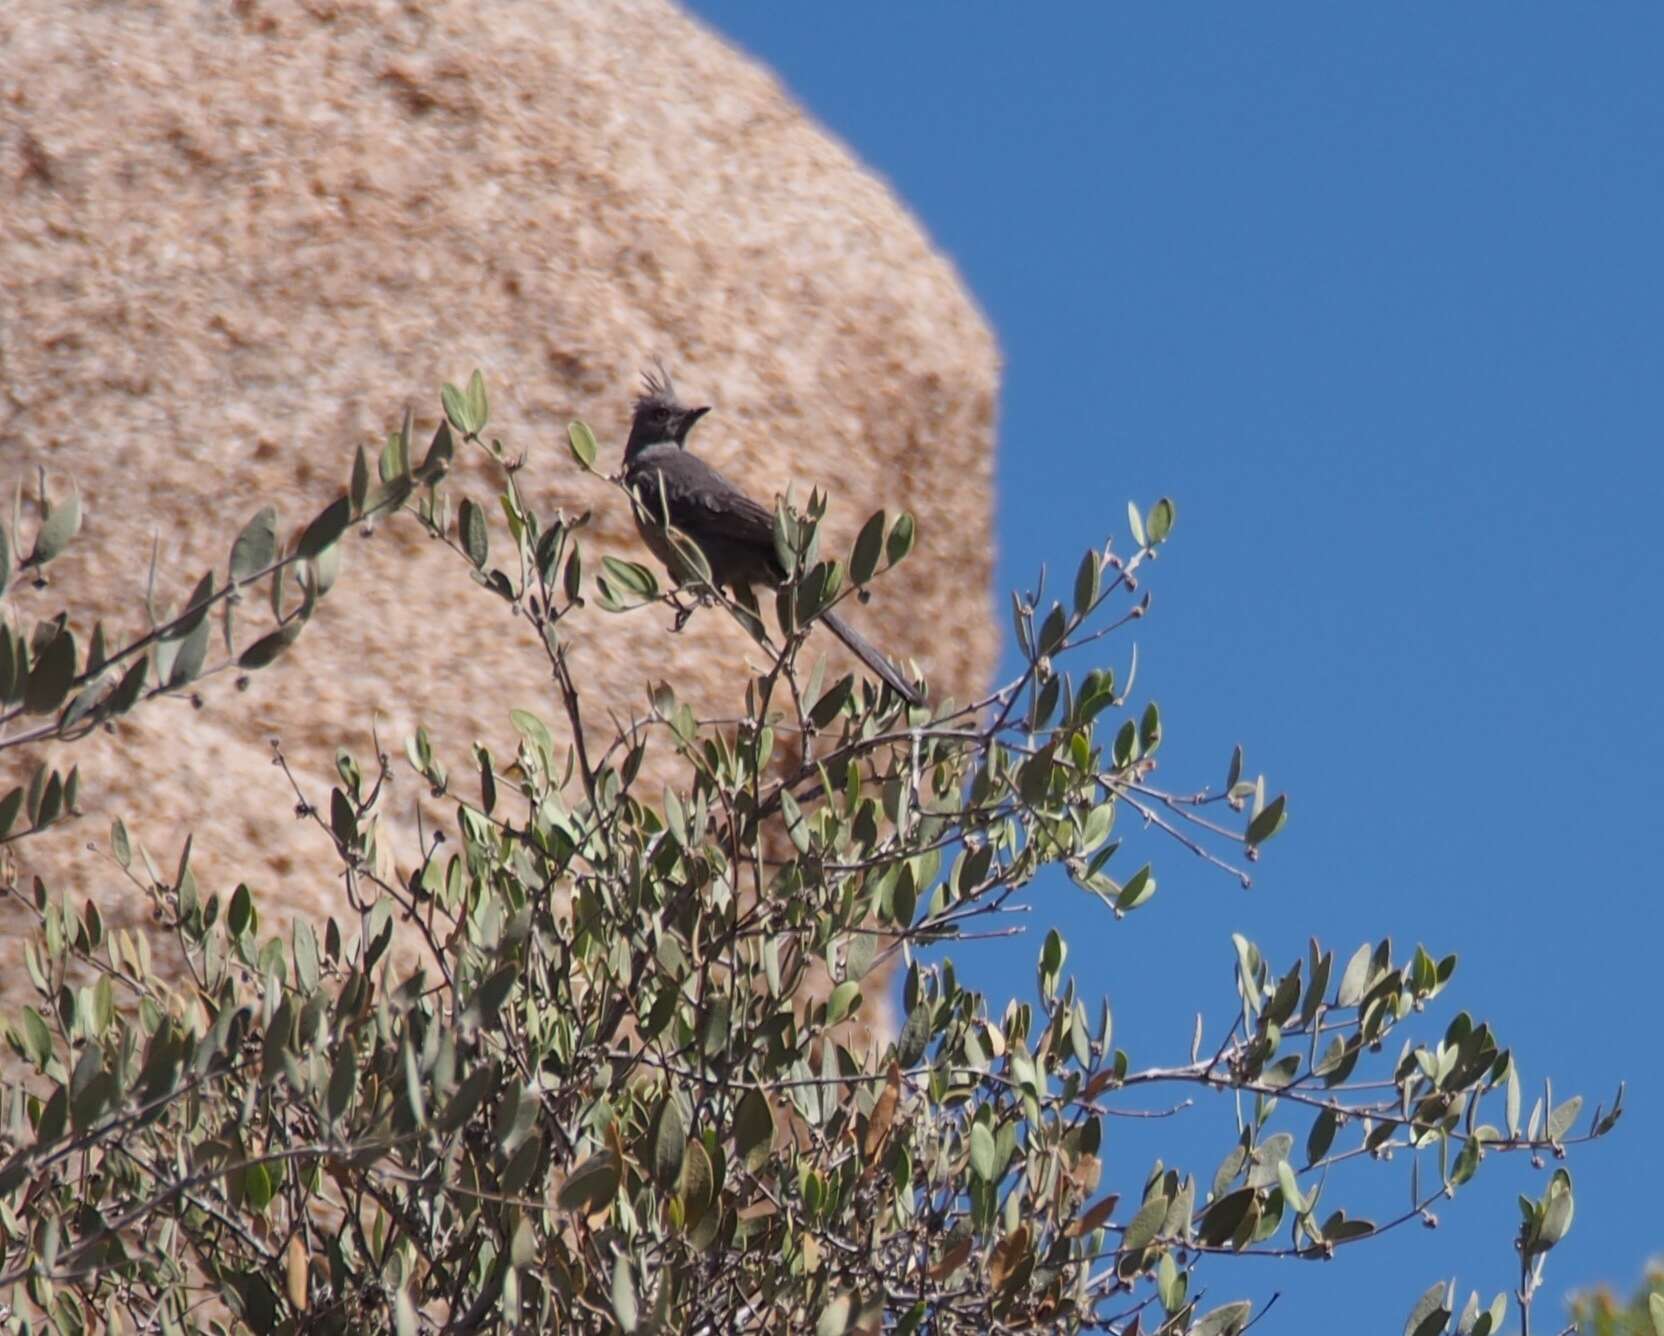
735 534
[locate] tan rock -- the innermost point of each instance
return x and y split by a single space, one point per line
238 238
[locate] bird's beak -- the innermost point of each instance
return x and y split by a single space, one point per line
689 418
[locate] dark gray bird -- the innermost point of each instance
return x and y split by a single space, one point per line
733 531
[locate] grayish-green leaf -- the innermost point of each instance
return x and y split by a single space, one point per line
1146 1224
915 1035
1431 1313
1354 979
1564 1116
470 525
51 675
327 528
189 658
869 548
1160 522
1272 818
982 1152
270 645
624 1306
1226 1320
582 441
669 1142
900 541
58 528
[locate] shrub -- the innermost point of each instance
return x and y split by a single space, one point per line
627 1083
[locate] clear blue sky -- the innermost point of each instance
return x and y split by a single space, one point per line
1377 294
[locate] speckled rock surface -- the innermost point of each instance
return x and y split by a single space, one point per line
238 238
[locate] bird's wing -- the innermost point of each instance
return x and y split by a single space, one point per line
701 501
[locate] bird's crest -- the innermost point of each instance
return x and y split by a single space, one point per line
656 387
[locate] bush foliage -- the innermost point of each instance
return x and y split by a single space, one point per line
1599 1312
634 1079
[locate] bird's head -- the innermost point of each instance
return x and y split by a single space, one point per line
660 416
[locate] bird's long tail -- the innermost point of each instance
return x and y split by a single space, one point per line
869 654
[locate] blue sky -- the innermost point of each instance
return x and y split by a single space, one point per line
1376 293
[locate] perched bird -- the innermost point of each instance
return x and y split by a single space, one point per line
733 531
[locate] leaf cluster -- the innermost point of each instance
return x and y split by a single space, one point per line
631 1075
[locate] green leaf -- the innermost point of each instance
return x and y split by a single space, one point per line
1292 1195
698 1186
58 528
1561 1120
470 526
127 693
1226 1320
120 846
1338 1229
982 1152
392 466
326 529
404 1313
37 1039
869 547
188 660
239 915
440 453
10 806
582 441
1655 1310
1222 1217
1139 888
1429 1316
1160 522
796 827
845 998
1088 581
1271 819
51 802
900 541
1322 1136
305 943
1135 524
1467 1161
669 1142
1354 979
753 1129
488 1001
592 1185
467 1098
536 732
456 408
1557 1211
633 576
915 1035
828 707
479 407
358 491
51 675
12 665
1149 729
260 1185
624 1304
1145 1225
1172 1285
270 645
414 1098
